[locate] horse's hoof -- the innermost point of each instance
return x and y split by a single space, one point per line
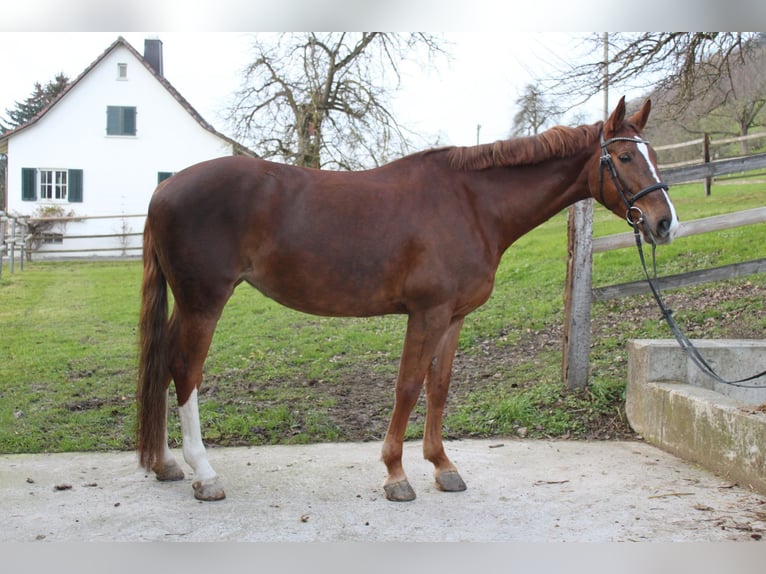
450 481
208 490
168 471
399 491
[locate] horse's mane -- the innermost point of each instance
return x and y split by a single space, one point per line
557 142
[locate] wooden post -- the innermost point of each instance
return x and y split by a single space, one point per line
2 241
577 296
23 249
13 245
706 159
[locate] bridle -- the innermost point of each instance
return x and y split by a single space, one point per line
633 214
635 217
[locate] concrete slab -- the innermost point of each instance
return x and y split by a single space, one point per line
677 408
518 490
663 360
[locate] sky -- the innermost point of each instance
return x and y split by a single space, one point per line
478 85
497 47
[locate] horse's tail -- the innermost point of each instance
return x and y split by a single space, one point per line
154 369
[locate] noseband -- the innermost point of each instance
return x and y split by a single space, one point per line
633 214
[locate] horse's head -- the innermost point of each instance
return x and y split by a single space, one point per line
623 177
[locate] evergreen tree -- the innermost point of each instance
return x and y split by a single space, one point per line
24 111
40 97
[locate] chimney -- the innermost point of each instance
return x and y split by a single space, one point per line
153 54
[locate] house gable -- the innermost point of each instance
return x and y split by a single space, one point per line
102 146
119 124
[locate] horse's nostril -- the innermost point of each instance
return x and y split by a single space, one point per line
663 227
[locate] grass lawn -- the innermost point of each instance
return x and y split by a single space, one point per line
68 347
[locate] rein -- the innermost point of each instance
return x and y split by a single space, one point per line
635 217
691 351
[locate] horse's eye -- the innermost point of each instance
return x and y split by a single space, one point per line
624 158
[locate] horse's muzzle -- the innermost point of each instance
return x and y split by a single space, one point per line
661 233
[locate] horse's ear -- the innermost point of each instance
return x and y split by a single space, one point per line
614 122
641 116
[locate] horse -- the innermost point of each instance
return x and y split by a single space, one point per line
420 236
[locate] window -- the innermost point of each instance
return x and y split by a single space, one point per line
122 71
51 184
52 238
163 175
120 121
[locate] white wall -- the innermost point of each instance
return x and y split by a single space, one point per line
119 172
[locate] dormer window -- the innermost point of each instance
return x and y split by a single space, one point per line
122 71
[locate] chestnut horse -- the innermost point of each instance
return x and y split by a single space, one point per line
421 236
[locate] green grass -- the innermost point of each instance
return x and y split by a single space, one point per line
68 346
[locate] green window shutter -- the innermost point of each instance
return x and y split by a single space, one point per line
129 121
163 175
113 120
75 185
28 184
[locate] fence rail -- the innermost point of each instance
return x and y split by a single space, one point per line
714 168
686 228
681 280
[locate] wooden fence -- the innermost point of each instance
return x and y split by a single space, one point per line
12 240
580 294
16 239
705 169
686 228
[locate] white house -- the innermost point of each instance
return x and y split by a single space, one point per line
100 149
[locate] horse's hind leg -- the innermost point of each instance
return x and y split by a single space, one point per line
437 386
167 468
194 335
206 485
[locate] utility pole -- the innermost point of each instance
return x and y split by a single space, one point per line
605 39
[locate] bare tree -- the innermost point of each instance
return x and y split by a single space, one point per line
732 105
688 62
735 103
323 100
535 112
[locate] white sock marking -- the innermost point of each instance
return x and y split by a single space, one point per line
193 448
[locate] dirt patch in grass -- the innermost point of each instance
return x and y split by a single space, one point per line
357 400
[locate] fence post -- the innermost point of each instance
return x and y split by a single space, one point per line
706 159
577 295
23 248
13 244
3 220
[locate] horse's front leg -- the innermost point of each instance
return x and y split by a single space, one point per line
437 387
424 331
166 468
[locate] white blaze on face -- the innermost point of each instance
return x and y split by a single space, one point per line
644 149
